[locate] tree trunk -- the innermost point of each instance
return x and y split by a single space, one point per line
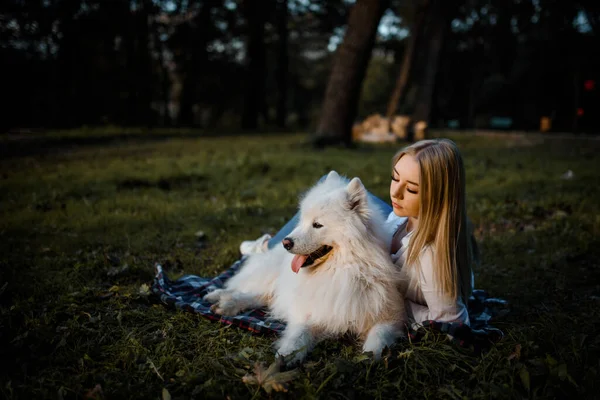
407 61
347 74
282 64
437 22
198 58
132 63
145 74
254 102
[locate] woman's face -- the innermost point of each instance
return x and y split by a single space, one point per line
404 189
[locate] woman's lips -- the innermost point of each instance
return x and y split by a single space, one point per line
396 205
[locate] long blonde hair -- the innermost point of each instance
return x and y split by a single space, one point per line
442 215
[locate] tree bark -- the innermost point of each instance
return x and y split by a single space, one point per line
198 58
254 102
437 22
282 63
347 74
407 61
145 74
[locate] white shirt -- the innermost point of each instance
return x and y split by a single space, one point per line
424 300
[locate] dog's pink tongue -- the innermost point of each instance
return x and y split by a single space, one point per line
297 262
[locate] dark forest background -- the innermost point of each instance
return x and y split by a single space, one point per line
317 65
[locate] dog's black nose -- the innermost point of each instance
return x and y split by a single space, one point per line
288 243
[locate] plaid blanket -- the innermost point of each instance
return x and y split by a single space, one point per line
186 293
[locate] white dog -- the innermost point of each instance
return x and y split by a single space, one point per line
332 275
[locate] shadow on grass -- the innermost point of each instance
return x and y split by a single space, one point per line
31 145
40 145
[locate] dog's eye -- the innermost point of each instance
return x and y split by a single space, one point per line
317 225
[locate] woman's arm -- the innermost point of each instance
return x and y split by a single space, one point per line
439 306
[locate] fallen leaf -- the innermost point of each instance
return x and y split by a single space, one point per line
144 290
95 393
165 394
515 354
270 379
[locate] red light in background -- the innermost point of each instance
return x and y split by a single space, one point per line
580 112
589 85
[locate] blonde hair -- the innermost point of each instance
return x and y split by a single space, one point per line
442 215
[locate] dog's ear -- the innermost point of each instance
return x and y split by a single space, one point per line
357 197
332 175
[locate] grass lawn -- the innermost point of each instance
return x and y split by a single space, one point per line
84 215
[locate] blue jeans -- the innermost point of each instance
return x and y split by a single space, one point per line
384 207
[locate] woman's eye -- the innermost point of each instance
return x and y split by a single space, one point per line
394 179
411 191
317 225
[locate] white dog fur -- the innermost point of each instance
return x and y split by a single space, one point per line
354 288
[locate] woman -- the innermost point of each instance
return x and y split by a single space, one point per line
428 220
430 242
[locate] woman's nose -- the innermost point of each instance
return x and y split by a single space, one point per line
397 191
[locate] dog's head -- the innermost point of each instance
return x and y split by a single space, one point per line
332 214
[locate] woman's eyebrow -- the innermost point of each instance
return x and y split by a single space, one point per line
414 183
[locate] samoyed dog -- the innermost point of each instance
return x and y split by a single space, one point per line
333 274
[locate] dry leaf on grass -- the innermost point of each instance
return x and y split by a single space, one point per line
516 354
270 379
144 290
95 393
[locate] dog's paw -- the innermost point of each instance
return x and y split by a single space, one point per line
375 348
290 356
226 307
214 296
382 336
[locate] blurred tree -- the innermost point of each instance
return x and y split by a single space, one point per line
397 96
255 103
218 63
191 41
282 62
437 25
348 70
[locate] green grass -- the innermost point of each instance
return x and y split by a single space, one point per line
77 207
